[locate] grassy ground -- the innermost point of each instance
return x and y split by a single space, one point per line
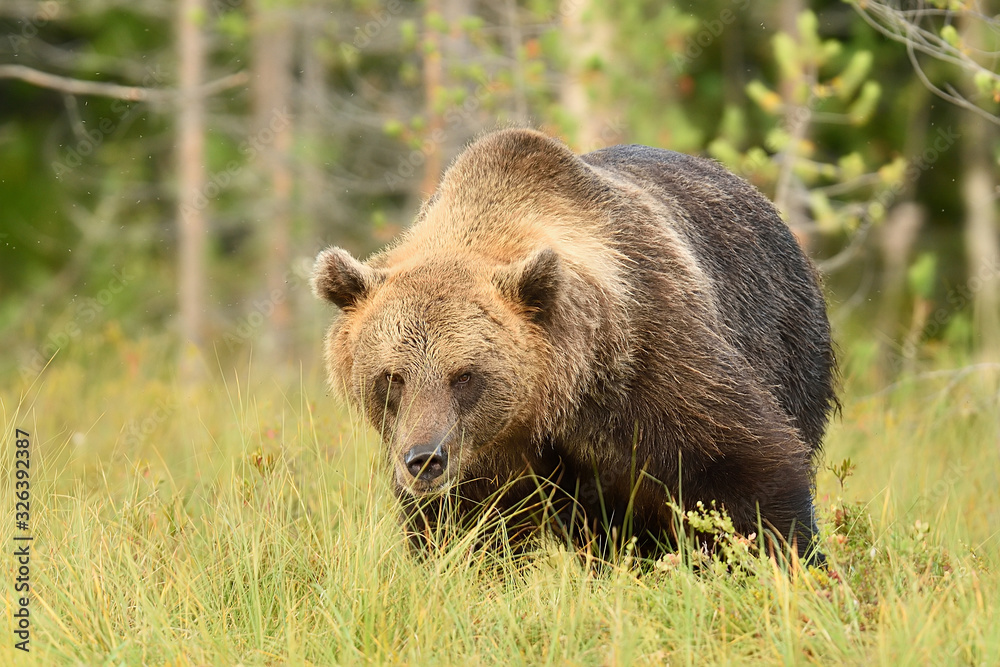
249 522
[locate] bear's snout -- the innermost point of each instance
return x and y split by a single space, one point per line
426 462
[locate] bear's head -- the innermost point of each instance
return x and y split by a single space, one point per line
444 355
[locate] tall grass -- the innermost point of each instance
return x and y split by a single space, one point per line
250 522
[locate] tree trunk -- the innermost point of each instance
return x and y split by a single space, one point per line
798 119
587 37
312 99
190 182
897 238
433 86
272 132
514 42
451 46
982 236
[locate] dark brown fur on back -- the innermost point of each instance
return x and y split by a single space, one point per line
639 326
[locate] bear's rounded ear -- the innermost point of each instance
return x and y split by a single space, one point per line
532 282
341 279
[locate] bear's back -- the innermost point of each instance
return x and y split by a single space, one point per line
772 308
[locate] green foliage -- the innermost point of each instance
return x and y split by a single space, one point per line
817 83
921 275
234 25
842 470
860 111
665 74
853 75
950 34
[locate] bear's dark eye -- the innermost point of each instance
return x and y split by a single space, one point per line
463 379
394 378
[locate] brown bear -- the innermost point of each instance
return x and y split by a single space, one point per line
634 327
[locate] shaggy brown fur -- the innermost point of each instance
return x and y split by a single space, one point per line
633 325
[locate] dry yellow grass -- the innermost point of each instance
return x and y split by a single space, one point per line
249 522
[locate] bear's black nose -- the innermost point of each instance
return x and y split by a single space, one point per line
426 462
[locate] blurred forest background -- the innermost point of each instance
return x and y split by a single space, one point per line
169 168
